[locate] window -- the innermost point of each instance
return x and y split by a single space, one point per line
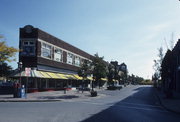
81 61
58 54
25 43
28 48
70 58
77 61
31 43
46 51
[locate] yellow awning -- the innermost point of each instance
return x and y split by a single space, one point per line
115 80
53 75
62 76
70 76
104 79
77 77
45 75
90 78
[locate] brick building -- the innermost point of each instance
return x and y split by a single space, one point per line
171 69
54 63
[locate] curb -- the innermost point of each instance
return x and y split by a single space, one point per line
164 106
44 100
30 100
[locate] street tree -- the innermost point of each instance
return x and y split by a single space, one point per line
84 71
5 70
99 68
157 66
116 73
110 73
6 53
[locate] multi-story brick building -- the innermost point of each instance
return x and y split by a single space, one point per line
51 60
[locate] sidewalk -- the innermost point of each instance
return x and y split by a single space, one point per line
50 96
169 104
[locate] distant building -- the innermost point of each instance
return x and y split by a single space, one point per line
121 72
123 68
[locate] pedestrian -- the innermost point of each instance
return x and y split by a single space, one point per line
15 89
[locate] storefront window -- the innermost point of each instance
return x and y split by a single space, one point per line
46 51
43 83
51 83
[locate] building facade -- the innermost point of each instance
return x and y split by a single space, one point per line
51 60
171 69
46 52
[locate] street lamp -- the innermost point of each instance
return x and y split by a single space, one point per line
20 69
83 73
1 69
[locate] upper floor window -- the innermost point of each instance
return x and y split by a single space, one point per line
70 58
28 48
58 53
77 61
29 43
46 51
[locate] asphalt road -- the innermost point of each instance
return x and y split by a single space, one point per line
130 104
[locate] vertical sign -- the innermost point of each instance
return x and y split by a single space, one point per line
27 71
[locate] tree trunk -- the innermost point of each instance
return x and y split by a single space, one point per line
92 86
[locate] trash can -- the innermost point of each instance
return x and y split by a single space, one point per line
21 92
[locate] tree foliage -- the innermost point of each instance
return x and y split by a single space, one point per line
116 73
6 53
157 64
135 79
99 68
110 73
5 70
84 69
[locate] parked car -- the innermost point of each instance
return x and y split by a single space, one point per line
6 88
114 87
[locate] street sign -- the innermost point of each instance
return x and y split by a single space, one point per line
27 71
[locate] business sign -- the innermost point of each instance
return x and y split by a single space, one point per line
27 71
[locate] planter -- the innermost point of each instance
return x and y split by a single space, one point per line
93 93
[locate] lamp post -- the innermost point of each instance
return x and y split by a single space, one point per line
1 63
83 80
20 69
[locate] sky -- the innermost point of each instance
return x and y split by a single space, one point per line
128 31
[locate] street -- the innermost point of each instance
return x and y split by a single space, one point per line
130 104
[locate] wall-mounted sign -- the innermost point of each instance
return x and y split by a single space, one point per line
27 71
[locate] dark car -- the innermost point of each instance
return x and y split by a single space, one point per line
114 87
